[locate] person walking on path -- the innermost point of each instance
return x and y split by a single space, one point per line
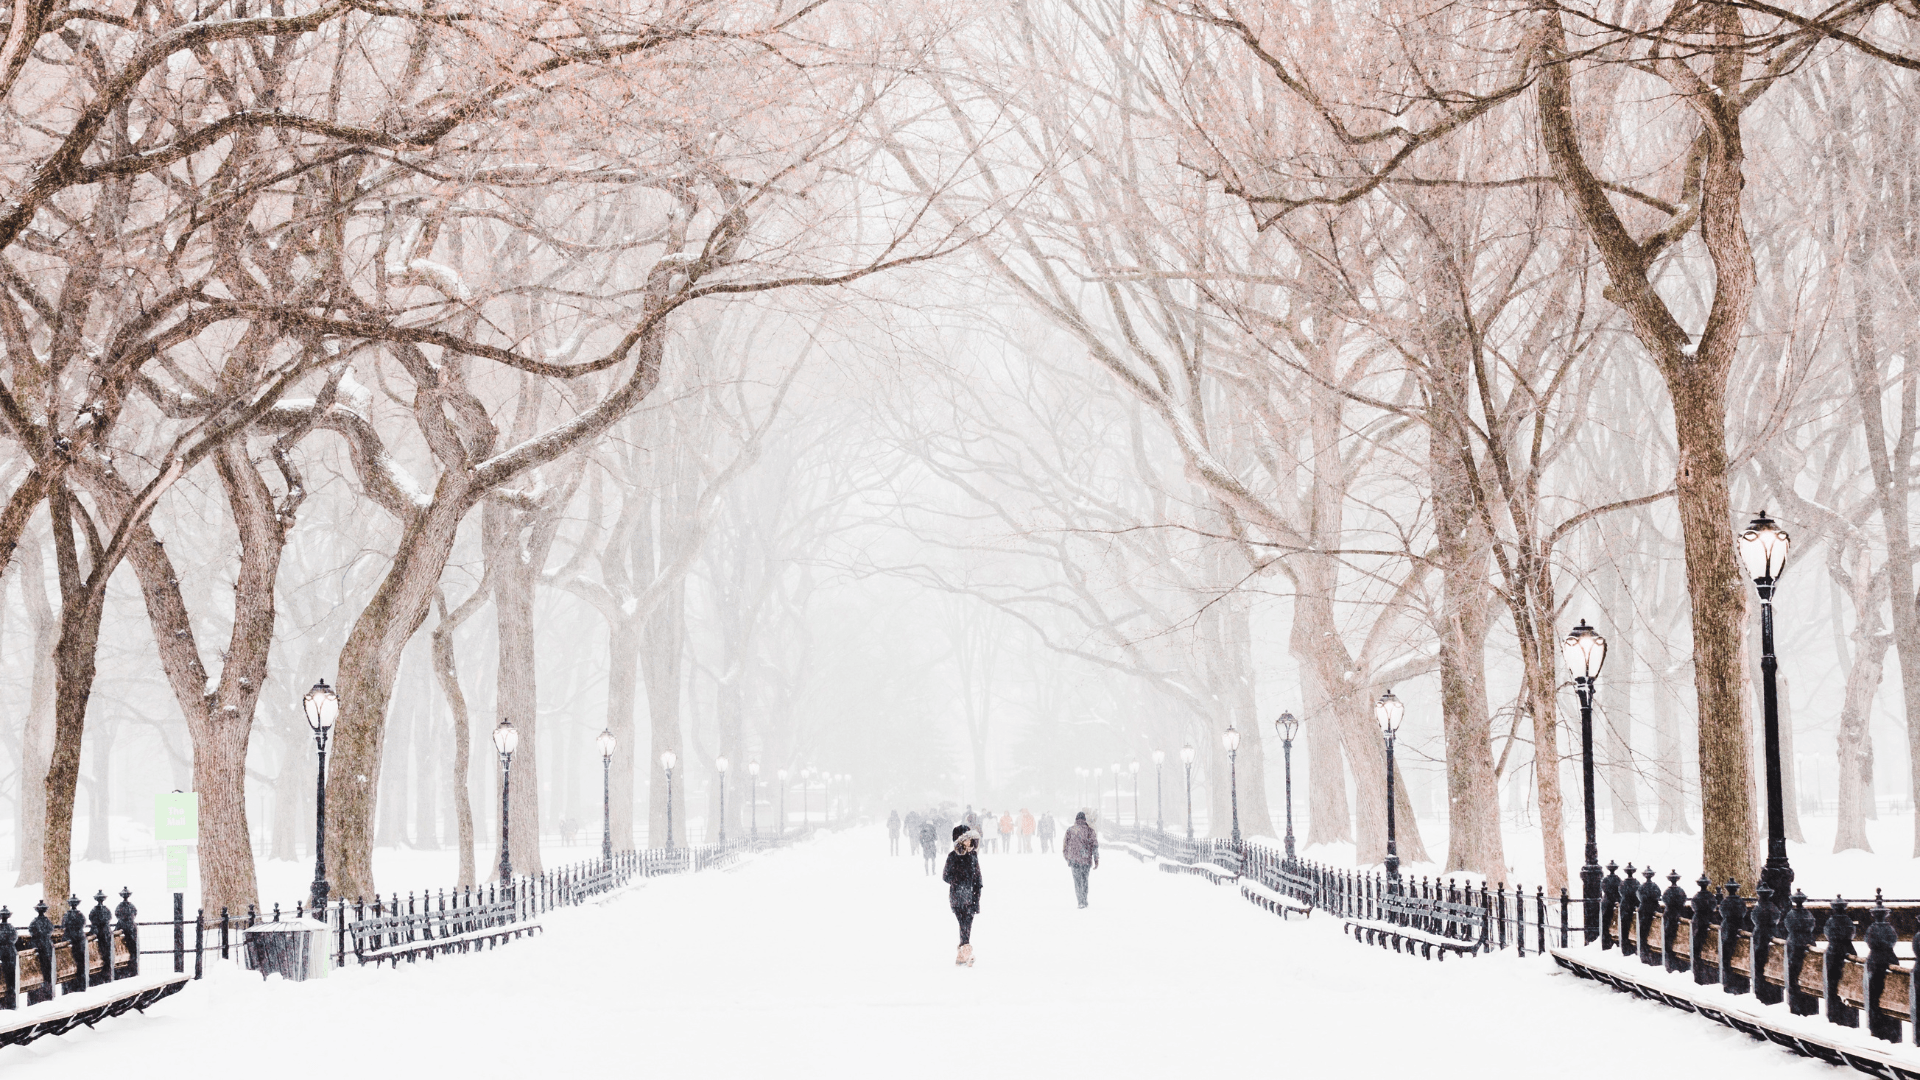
1026 832
1082 849
1046 830
962 876
910 828
893 831
928 838
1006 832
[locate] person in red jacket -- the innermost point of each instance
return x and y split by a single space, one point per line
1082 850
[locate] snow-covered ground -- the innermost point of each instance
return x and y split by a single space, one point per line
833 959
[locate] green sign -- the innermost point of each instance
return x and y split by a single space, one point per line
179 862
176 817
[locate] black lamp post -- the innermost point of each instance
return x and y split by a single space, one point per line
1159 790
667 759
606 743
1287 727
1186 756
1133 770
1763 547
322 706
1116 794
806 797
1388 710
753 800
1231 740
721 764
1586 651
505 740
782 774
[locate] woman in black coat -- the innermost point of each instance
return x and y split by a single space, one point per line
962 876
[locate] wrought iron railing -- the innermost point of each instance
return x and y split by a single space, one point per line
1424 915
1849 959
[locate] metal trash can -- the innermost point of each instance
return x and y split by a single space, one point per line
295 949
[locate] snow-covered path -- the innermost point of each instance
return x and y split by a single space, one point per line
835 960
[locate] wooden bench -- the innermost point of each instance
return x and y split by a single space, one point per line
41 960
65 1014
54 978
411 935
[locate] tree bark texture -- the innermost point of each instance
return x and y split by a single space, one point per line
369 663
1695 374
1461 620
448 672
76 654
36 740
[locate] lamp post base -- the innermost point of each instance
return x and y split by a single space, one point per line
1777 875
1590 901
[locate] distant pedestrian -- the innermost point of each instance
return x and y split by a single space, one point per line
893 831
962 875
1046 830
987 834
928 839
910 828
1006 833
1026 832
1082 850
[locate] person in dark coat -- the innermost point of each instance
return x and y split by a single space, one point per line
928 839
1046 830
893 832
1082 850
962 876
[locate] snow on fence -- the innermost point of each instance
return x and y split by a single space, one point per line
1761 968
97 955
1424 916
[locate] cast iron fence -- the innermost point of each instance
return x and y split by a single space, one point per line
96 955
1424 916
1805 954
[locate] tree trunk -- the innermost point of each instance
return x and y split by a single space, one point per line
1616 716
623 660
369 662
1461 621
449 674
1890 483
1696 375
76 655
36 741
1329 820
1718 592
1856 742
1255 817
661 646
99 803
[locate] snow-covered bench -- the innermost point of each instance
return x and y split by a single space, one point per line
1430 945
64 1013
411 935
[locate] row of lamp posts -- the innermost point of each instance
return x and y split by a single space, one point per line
1763 550
322 708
